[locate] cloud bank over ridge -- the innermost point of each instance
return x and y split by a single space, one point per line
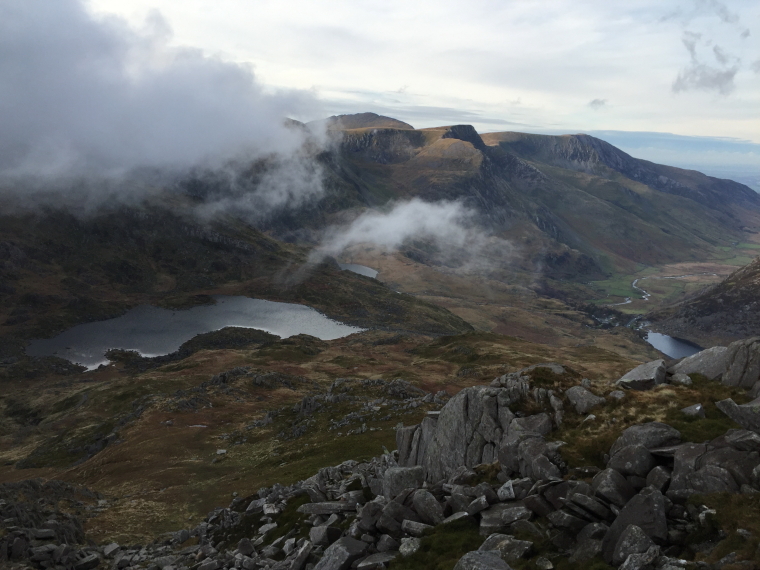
83 95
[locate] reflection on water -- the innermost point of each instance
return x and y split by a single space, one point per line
360 269
154 332
673 347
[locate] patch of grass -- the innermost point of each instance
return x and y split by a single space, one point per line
732 512
442 547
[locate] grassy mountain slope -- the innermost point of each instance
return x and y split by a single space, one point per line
722 314
579 207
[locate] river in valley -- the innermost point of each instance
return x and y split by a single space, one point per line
153 331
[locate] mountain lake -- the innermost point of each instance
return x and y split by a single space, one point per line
153 331
671 346
360 269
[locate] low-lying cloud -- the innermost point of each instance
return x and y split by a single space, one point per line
448 232
85 96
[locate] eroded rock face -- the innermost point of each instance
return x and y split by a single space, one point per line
743 363
467 425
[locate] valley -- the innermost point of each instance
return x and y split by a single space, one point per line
559 232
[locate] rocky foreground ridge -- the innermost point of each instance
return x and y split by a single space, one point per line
485 464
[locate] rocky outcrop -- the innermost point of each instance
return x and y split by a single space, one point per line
711 363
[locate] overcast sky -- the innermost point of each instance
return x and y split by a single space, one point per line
690 68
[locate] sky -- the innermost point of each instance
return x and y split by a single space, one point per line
675 82
688 68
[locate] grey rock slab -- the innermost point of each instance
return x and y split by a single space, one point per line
538 505
711 362
427 507
590 505
644 377
746 415
647 511
324 536
743 367
593 530
88 562
612 487
537 423
641 561
414 528
632 460
458 516
328 508
583 400
659 478
650 435
694 411
244 547
633 540
110 549
299 561
510 548
680 380
513 514
712 479
506 492
477 505
377 561
564 520
409 546
396 479
387 543
341 554
586 550
482 560
740 439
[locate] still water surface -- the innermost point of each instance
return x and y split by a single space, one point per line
153 331
360 269
673 347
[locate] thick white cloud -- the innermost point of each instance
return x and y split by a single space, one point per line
82 94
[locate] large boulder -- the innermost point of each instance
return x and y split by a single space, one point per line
633 460
743 358
341 554
396 479
647 511
582 400
644 377
612 487
633 540
746 415
711 363
651 435
510 548
427 507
